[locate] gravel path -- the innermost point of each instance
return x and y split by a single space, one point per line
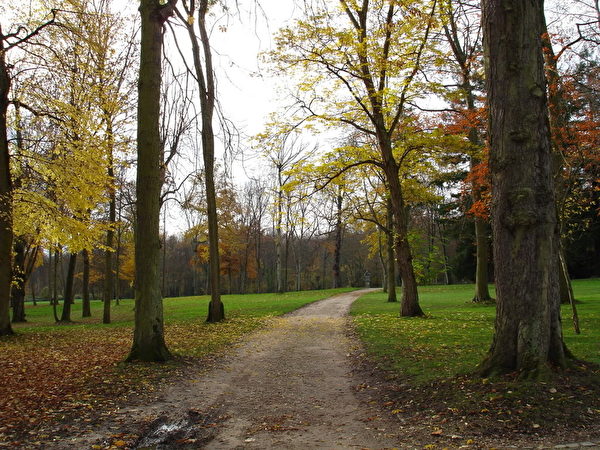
289 386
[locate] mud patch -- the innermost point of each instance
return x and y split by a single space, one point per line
193 430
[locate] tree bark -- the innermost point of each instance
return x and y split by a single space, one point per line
6 226
86 310
68 297
148 337
528 334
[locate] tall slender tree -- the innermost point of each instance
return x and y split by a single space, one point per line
148 337
204 73
462 31
528 333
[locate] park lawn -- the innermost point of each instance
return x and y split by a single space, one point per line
456 333
52 372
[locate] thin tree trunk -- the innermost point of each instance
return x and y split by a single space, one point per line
19 280
164 252
148 336
482 293
391 266
528 334
382 261
109 277
558 114
206 86
278 239
118 260
337 277
86 310
69 293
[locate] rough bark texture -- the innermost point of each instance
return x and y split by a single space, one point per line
528 335
148 336
6 233
86 310
69 294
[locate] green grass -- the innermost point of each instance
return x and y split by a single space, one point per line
176 310
455 335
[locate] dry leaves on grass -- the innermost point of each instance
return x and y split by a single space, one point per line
52 379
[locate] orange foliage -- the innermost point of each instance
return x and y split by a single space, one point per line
479 181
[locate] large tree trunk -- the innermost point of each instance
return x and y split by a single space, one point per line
391 266
69 293
6 228
148 337
19 281
86 310
528 334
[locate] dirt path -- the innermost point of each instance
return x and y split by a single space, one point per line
289 386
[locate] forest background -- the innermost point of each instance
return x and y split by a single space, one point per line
309 212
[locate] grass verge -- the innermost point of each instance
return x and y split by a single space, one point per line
426 364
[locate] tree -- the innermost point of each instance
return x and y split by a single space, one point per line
282 147
528 334
25 260
366 59
204 74
462 31
8 41
148 337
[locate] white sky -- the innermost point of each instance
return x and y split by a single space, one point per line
246 92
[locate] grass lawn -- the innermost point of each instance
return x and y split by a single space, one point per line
428 360
50 372
456 333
